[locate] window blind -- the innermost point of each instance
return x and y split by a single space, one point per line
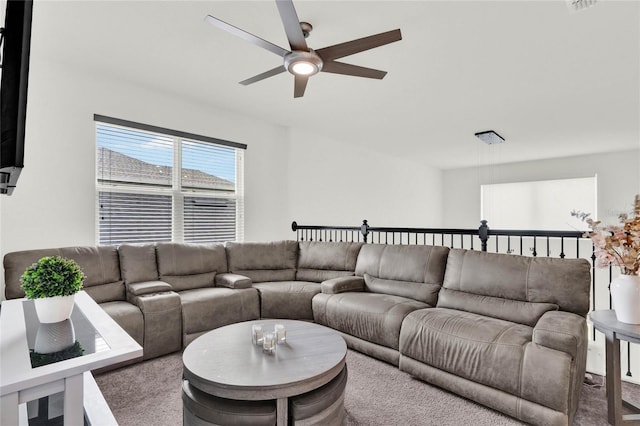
134 218
209 219
166 187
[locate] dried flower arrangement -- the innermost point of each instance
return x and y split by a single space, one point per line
616 244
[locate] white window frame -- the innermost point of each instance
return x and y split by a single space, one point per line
176 192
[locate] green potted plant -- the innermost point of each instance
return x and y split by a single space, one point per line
52 283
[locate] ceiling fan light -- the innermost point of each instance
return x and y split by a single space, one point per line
303 68
303 63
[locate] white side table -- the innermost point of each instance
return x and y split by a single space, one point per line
104 341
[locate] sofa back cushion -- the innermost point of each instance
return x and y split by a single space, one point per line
138 263
411 271
269 261
101 267
320 261
189 266
99 264
514 288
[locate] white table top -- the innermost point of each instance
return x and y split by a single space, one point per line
16 373
225 363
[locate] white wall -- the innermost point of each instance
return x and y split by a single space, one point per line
54 202
618 181
289 174
336 183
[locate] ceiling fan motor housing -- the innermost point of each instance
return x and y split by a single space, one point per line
306 28
300 62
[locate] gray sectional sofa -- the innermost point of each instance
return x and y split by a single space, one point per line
506 331
389 282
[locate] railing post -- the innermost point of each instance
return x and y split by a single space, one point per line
364 230
483 233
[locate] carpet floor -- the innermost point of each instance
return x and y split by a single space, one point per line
377 393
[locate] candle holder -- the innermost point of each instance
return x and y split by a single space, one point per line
269 343
257 335
281 334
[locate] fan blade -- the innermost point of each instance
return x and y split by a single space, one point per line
354 46
291 25
355 70
300 85
246 36
277 70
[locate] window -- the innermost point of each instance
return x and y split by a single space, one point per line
544 205
156 184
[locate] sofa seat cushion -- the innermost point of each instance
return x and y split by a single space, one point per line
127 316
106 292
373 317
493 352
482 349
287 299
204 309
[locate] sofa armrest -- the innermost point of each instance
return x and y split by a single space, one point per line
148 287
562 331
342 284
233 280
162 312
136 290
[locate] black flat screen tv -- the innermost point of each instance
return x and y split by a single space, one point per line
16 41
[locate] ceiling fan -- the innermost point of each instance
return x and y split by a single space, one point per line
303 62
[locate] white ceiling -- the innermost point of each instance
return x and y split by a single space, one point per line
553 82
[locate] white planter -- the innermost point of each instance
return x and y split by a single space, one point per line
54 309
625 296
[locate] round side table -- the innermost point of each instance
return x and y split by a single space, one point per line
606 322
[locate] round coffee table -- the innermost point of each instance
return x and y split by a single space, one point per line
224 363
